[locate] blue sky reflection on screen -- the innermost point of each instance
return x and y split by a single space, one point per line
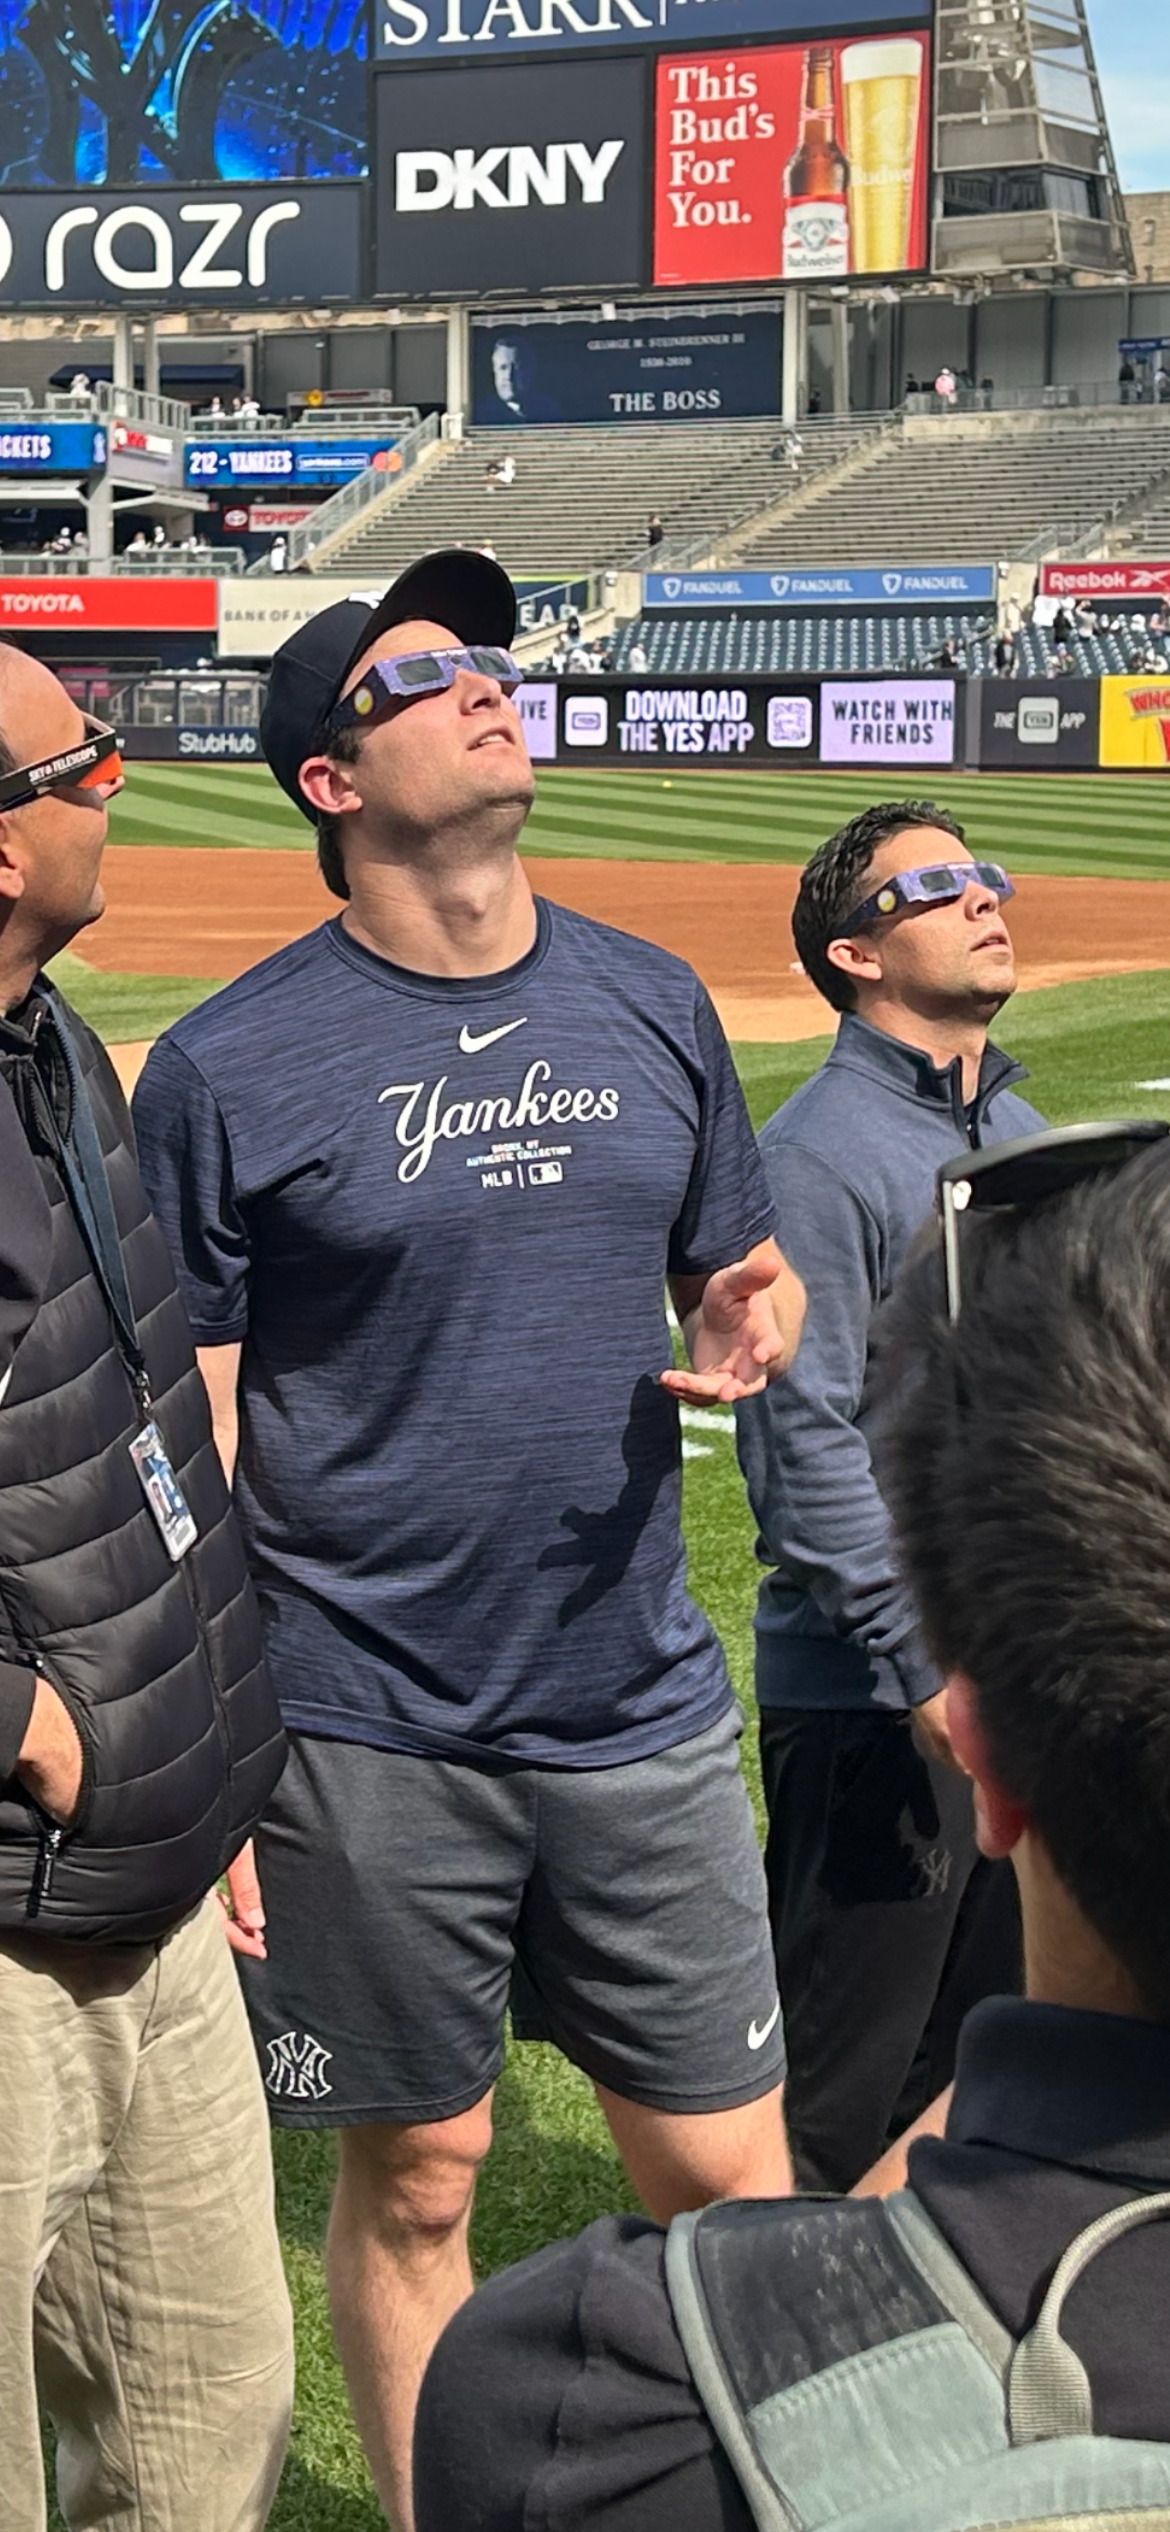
192 92
1131 40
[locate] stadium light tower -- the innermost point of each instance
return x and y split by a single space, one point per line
1026 175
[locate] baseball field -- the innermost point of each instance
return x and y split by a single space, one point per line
209 870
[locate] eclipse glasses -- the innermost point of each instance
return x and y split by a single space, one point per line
937 885
93 765
420 673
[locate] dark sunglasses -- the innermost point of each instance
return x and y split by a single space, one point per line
1013 1177
937 885
420 673
90 766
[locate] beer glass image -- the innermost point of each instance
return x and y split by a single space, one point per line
880 87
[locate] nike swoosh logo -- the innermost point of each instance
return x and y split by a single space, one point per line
758 2032
470 1044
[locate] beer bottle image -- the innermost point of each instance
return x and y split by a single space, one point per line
816 181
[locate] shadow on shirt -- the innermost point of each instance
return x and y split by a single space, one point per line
603 1543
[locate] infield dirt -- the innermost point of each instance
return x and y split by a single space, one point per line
183 912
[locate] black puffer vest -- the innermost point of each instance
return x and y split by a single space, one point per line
160 1665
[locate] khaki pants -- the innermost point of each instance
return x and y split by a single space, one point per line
141 2288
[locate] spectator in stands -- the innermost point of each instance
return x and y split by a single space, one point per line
278 558
249 412
912 386
1029 1443
949 659
80 542
1062 624
1064 665
1158 624
1126 379
215 411
1085 617
80 392
489 550
638 660
1162 382
573 625
1005 654
160 536
491 475
814 401
655 531
506 471
945 387
1013 616
138 544
987 393
794 451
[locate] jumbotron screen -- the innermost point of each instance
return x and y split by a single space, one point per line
133 92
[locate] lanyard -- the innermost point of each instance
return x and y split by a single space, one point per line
84 1171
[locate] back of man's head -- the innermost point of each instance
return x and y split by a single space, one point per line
1028 1467
833 880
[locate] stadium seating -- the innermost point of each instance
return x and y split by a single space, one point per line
582 497
794 645
956 492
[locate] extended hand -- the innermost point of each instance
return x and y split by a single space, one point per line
50 1762
932 1731
243 1909
734 1336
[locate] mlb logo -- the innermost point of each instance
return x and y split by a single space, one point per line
586 720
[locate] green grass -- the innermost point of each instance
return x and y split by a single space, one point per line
122 1007
1118 824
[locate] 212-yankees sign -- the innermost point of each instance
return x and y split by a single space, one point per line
261 246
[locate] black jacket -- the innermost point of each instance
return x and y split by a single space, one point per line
160 1665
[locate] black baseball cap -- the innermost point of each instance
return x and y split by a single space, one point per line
467 591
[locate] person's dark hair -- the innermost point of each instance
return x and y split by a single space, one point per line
345 748
1026 1458
833 882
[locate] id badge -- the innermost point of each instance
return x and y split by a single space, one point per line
163 1492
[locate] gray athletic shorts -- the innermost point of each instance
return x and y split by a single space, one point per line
401 1892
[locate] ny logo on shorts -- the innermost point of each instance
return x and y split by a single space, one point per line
296 2068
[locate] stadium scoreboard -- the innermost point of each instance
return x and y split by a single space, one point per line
447 149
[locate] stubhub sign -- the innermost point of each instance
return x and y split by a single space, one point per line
909 584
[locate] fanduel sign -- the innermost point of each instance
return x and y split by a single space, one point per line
486 30
530 180
260 247
915 584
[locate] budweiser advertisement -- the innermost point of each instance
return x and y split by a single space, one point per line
792 162
1124 581
132 605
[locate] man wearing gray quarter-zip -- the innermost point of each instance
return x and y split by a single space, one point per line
887 1925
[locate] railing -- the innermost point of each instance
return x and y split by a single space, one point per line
134 404
193 701
1084 394
345 507
322 422
162 562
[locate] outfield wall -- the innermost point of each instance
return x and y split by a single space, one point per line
1025 725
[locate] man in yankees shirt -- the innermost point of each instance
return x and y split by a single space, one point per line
426 1175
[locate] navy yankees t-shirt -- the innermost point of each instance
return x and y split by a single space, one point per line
439 1214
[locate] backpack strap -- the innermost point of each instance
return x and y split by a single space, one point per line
1049 2392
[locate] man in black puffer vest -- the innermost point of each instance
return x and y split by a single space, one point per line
142 2291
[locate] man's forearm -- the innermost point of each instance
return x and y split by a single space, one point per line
18 1688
